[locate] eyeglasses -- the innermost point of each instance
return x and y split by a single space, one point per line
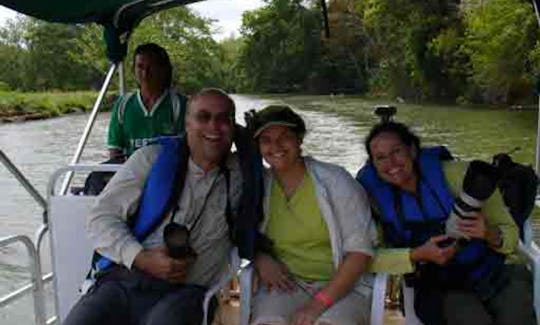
204 117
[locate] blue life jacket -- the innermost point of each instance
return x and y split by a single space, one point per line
157 194
409 220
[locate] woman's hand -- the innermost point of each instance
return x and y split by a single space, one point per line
431 251
273 274
308 313
474 226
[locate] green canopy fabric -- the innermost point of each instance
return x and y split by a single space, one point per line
118 17
99 11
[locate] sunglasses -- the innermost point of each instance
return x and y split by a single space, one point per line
205 117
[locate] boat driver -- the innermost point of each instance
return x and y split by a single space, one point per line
154 109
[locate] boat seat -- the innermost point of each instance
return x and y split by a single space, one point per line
71 249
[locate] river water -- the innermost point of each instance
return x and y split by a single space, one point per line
336 129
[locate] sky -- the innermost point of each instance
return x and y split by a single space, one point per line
227 13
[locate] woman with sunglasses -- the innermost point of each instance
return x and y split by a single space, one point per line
413 190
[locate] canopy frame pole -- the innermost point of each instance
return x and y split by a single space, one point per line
89 125
23 180
121 79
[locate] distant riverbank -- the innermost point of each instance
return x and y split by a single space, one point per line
25 106
21 106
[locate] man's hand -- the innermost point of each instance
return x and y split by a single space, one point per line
273 274
430 251
157 263
308 313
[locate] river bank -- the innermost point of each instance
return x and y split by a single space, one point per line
23 106
27 106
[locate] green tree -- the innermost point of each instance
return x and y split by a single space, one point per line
13 55
195 56
502 42
188 40
35 56
405 42
39 55
344 58
282 41
231 73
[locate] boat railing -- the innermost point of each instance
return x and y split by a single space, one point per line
90 123
36 286
38 280
34 248
10 166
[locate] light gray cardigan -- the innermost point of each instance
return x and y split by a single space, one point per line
346 210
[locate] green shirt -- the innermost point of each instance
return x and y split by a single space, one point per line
397 260
132 126
299 232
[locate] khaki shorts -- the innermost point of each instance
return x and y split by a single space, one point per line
278 307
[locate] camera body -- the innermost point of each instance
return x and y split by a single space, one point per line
478 185
176 239
385 112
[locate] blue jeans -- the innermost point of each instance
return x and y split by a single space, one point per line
131 297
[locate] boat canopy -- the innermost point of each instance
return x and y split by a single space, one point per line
119 17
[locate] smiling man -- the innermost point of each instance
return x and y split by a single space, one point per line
147 283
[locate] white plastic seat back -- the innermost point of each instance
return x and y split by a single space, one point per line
70 247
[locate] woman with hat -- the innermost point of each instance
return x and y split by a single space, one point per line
322 234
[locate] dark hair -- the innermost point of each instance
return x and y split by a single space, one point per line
158 53
406 136
215 92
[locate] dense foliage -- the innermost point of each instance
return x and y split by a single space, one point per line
450 50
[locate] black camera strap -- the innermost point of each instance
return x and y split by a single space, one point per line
222 170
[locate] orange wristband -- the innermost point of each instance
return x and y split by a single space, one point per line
324 299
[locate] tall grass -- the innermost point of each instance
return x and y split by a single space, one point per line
47 104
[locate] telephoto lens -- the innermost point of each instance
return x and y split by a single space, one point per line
176 239
478 185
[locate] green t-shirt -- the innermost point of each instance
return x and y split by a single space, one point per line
132 126
299 232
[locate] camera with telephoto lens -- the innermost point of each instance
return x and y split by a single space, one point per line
176 239
478 185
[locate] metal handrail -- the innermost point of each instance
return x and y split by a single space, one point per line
89 125
23 180
36 286
40 234
52 320
74 168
